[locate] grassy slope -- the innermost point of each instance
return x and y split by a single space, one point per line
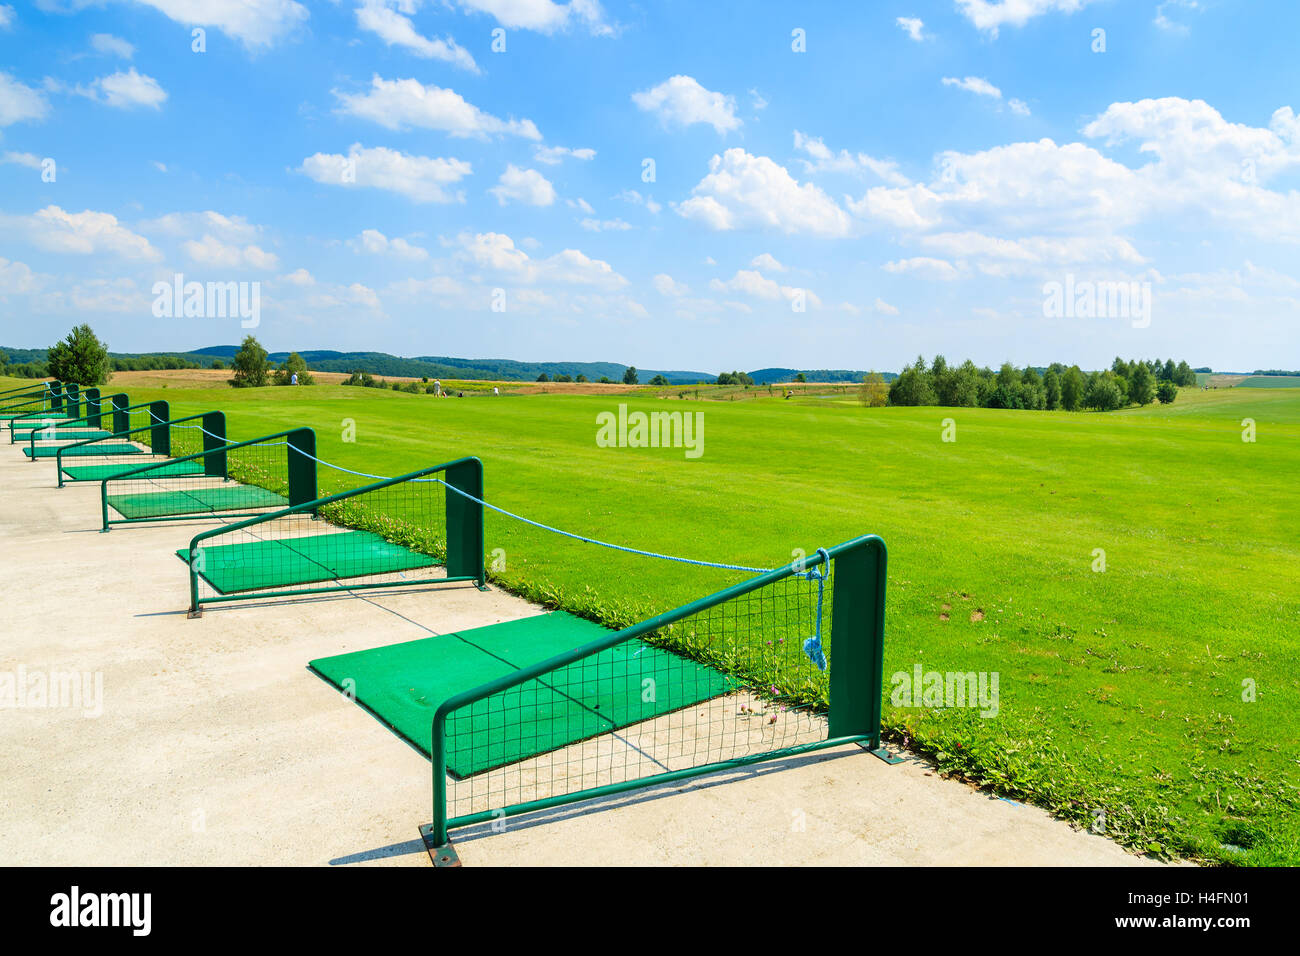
1119 691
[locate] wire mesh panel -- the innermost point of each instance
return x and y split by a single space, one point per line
128 436
207 476
43 434
744 675
400 532
21 401
37 411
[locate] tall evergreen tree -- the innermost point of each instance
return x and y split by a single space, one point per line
80 358
250 365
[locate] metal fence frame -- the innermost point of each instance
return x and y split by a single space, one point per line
464 515
856 683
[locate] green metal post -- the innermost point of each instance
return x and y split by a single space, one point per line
858 638
56 396
465 522
93 418
302 466
73 402
121 417
214 439
160 436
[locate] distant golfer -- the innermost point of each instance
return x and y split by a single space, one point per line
437 388
293 380
495 390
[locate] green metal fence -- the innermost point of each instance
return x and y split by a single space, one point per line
24 395
223 480
32 387
751 635
90 412
400 532
22 401
151 443
48 439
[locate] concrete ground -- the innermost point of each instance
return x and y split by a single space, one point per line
214 744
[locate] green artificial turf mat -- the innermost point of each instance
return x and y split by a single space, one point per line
89 451
100 472
403 684
251 565
232 497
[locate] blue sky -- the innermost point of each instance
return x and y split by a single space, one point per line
908 182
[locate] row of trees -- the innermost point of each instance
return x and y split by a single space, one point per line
1135 382
22 369
84 359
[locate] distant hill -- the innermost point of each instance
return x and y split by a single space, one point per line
438 366
448 367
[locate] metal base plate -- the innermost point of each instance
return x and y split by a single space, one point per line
883 753
442 856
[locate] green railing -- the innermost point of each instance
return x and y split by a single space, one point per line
747 632
121 424
22 401
381 535
37 387
24 394
156 436
89 413
250 466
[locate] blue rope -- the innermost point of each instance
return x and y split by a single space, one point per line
603 544
546 527
553 530
813 645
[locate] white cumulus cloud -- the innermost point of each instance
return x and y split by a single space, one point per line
912 26
681 100
257 24
544 16
387 20
422 178
19 102
742 190
526 186
400 104
86 233
126 90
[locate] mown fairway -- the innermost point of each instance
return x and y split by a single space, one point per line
1121 690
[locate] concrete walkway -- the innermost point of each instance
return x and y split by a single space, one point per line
215 745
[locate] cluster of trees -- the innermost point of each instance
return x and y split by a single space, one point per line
565 378
22 369
151 363
364 380
1134 382
734 378
252 369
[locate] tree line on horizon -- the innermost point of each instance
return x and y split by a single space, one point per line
84 359
1131 382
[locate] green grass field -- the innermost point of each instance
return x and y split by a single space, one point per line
1121 691
1270 381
